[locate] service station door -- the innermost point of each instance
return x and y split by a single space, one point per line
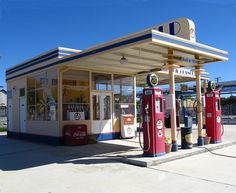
22 114
101 113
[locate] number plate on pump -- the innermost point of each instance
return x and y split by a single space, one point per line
210 95
148 92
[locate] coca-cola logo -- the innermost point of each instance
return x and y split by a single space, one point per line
79 134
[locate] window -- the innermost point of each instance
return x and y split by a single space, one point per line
123 95
96 107
101 81
76 95
42 97
107 107
22 92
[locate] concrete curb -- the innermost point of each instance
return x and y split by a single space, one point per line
138 160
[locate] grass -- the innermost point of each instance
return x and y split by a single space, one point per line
3 129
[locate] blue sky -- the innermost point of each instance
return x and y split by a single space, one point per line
30 27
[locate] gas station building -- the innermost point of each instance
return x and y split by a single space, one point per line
95 86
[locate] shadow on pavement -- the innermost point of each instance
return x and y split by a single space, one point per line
17 154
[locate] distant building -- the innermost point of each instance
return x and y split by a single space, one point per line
3 103
228 87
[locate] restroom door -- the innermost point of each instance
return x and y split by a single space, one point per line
22 111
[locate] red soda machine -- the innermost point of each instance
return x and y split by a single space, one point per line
153 119
213 113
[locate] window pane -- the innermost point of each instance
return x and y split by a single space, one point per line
96 107
75 94
107 107
42 96
31 83
31 113
41 105
31 98
41 81
22 92
123 95
101 81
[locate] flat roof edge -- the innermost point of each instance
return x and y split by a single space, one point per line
43 55
189 42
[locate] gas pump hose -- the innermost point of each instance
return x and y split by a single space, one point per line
148 132
218 154
222 127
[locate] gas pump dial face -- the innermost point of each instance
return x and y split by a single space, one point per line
159 124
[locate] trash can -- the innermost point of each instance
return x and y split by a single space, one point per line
75 135
188 121
186 138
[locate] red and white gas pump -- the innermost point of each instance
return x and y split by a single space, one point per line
153 119
213 113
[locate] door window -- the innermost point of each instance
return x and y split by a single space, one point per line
96 107
107 107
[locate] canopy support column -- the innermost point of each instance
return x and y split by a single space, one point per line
198 71
172 67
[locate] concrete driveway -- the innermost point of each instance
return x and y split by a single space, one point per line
32 167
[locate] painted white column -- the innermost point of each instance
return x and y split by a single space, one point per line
199 104
173 110
135 103
171 66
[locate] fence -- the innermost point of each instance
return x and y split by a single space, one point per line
229 114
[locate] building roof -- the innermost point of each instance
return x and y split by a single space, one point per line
145 51
3 91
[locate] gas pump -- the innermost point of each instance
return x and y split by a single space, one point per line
213 113
153 119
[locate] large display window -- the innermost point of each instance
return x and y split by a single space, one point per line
123 95
42 97
75 95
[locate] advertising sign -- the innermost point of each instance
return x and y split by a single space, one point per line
182 27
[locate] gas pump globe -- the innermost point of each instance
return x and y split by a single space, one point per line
153 119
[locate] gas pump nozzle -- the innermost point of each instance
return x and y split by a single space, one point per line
146 119
146 109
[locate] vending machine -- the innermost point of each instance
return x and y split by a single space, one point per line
213 113
153 120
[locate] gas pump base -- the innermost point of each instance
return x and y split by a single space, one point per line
200 141
153 155
174 147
